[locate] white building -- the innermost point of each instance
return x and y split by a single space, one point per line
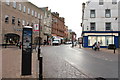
100 23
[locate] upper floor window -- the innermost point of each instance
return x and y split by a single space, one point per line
14 4
107 13
19 21
114 1
20 7
108 25
24 9
28 10
38 15
92 13
6 18
35 14
13 20
8 2
101 2
32 12
92 25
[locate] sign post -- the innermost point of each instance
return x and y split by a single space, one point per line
26 51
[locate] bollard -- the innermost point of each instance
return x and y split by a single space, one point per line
40 68
114 50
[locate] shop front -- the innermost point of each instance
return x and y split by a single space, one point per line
12 38
104 38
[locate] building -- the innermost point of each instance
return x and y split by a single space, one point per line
58 26
47 24
14 16
17 14
100 23
119 21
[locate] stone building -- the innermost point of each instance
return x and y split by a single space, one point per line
47 24
15 15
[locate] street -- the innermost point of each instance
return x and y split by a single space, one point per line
66 62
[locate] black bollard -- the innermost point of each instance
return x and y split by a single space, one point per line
114 50
40 68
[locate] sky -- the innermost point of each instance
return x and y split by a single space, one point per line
71 10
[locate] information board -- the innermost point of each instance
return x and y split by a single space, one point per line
27 50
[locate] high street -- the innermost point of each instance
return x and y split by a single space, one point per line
66 62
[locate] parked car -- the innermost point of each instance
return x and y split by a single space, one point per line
56 42
68 42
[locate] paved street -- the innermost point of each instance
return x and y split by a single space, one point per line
66 62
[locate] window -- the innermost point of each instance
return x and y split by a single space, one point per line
108 25
35 14
6 18
92 13
114 1
14 4
107 13
13 20
19 21
24 9
100 2
39 16
92 26
8 2
28 10
32 12
28 24
20 7
23 22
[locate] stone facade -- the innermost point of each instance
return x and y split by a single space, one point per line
16 15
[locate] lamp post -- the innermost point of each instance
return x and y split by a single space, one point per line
39 52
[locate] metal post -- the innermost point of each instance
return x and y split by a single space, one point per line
39 50
39 57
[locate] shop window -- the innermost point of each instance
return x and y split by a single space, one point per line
92 13
13 20
109 40
107 13
108 26
101 40
6 18
92 40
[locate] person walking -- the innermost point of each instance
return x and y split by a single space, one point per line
98 46
94 47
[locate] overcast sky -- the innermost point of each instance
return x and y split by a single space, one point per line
69 9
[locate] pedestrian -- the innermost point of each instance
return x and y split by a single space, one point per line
20 45
94 47
98 46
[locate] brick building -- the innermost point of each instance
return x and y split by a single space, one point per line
58 26
15 15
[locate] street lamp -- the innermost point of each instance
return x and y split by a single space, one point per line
39 52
